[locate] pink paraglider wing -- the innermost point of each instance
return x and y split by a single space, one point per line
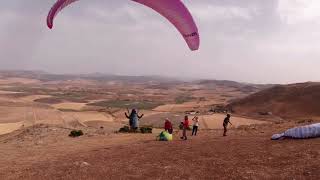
174 10
177 13
56 8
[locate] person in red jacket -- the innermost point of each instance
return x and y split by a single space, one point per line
168 126
185 127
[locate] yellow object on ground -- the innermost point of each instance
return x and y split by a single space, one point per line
165 136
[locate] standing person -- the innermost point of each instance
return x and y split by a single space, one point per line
195 125
185 127
134 119
168 126
225 124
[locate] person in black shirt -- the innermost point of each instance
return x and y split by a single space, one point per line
225 124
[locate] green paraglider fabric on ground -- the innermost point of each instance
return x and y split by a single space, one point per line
165 136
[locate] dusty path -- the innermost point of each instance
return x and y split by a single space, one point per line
244 154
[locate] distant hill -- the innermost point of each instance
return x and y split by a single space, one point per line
243 87
152 82
287 101
43 76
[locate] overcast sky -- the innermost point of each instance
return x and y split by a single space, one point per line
259 41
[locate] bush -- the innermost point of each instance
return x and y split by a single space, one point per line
76 133
145 130
124 129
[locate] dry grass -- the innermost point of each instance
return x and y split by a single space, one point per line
18 80
69 105
12 114
10 127
89 116
8 92
32 98
177 107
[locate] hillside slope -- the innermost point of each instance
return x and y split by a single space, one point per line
287 101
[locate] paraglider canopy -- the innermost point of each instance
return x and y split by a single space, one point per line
174 10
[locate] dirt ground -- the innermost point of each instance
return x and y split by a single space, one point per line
215 121
34 141
209 121
246 153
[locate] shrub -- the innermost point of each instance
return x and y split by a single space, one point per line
124 129
146 130
76 133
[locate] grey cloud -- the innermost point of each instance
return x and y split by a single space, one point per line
244 40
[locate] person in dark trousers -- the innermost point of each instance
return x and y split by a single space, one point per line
168 126
133 119
225 124
185 126
195 125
